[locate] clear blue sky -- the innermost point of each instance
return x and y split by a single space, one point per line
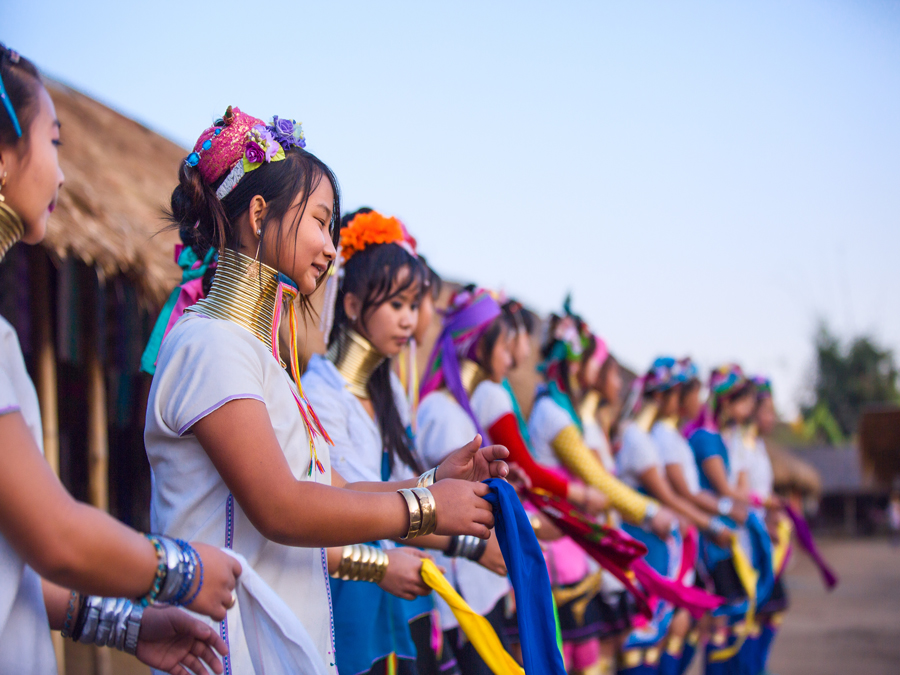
706 177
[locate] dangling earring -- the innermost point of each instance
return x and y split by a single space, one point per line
2 185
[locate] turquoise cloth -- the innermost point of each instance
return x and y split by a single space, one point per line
369 624
520 418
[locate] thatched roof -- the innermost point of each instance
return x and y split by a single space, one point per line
791 473
119 176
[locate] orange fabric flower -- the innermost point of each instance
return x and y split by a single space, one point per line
367 229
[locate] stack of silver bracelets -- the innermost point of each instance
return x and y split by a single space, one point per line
116 622
467 546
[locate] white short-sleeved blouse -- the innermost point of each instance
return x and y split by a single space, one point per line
25 645
203 364
637 454
674 449
759 470
358 448
547 419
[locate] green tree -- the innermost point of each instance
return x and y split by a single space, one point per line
849 378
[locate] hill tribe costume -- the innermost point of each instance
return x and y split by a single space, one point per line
616 608
25 644
556 431
742 575
644 650
761 480
237 324
675 450
372 631
445 422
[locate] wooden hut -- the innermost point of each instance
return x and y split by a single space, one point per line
84 301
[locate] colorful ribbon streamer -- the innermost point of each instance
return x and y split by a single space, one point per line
188 292
478 629
804 536
622 556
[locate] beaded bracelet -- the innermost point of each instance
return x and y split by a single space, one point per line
199 585
188 565
161 573
70 615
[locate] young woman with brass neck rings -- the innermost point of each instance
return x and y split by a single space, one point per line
358 399
723 473
238 455
43 530
473 342
641 464
600 384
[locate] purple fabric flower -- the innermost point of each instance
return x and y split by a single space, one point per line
254 153
283 127
287 132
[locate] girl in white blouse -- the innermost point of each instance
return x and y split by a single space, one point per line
48 540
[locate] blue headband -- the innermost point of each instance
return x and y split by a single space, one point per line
7 103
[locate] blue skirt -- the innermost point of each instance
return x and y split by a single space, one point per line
370 624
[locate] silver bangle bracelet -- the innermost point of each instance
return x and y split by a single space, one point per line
112 622
725 506
175 565
467 546
650 512
716 526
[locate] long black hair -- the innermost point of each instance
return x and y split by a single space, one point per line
204 221
22 82
375 275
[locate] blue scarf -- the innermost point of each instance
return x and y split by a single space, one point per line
530 581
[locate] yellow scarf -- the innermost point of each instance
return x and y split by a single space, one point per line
479 631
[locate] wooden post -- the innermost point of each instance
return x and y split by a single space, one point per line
45 382
97 429
98 440
45 356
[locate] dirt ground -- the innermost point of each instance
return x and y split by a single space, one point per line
854 629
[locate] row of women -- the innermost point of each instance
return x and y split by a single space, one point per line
350 517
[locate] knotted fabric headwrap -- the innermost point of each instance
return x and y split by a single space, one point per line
601 351
466 319
662 375
530 581
763 387
189 291
687 370
723 381
568 345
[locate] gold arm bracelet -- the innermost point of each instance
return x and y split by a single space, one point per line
415 514
360 562
429 510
